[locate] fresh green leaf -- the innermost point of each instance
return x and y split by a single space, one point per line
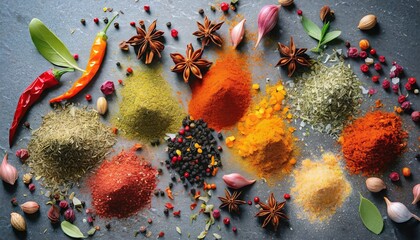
71 230
50 46
91 232
324 30
370 215
217 236
178 230
330 36
311 28
202 235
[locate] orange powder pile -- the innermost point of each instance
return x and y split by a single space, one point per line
223 96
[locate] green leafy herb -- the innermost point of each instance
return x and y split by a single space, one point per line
370 215
178 230
322 35
50 46
71 230
91 232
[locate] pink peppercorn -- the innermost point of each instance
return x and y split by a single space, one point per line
375 78
76 56
132 24
382 59
401 99
249 202
363 54
406 106
216 213
286 196
129 70
415 116
373 51
224 6
364 68
377 67
63 204
386 84
96 20
88 97
146 8
395 88
174 33
69 215
234 229
226 221
352 52
394 176
31 187
408 86
412 80
299 12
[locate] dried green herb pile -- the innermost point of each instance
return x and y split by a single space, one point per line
148 109
326 97
69 143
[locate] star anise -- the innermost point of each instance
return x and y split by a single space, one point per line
292 57
231 201
191 63
272 212
147 42
207 32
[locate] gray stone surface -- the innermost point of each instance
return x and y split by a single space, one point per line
396 37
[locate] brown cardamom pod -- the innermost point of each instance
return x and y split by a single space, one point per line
326 13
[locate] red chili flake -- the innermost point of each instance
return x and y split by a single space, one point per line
382 59
373 51
130 70
412 80
137 147
224 6
299 12
22 154
174 33
286 196
386 84
408 86
88 97
177 213
146 8
120 81
193 206
401 99
76 56
96 20
364 68
114 130
372 91
377 66
169 192
169 205
375 78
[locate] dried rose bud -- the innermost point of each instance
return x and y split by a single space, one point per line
401 98
386 84
352 52
63 204
54 214
395 88
108 88
69 215
216 213
408 86
415 116
406 106
22 154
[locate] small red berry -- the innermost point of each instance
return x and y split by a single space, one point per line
174 158
299 12
161 234
408 86
187 128
234 229
375 78
133 24
182 131
129 70
249 202
226 221
180 140
120 81
224 6
363 54
364 68
395 88
88 97
186 175
286 196
96 20
174 33
394 176
386 84
373 51
412 80
31 187
256 200
146 8
382 59
377 66
76 56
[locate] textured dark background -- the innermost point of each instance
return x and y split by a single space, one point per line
396 37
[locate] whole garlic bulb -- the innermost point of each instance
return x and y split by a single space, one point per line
398 212
375 184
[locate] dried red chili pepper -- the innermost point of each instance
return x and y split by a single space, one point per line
32 93
97 54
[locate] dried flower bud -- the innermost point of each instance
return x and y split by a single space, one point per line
69 215
22 154
54 214
415 116
326 13
18 222
352 52
108 87
30 207
406 106
27 178
63 204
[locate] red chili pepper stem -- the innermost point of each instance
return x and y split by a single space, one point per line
59 72
103 32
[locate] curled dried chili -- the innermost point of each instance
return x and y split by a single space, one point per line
97 54
32 93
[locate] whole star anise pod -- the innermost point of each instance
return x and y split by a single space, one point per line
292 57
271 212
191 63
207 32
231 201
147 42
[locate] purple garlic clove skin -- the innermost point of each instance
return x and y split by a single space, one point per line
236 181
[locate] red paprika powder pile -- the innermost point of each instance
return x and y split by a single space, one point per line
223 96
123 186
372 142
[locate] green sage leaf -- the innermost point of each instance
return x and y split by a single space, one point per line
330 36
71 230
311 28
50 46
370 215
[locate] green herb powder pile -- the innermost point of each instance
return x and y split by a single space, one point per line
327 97
69 143
148 109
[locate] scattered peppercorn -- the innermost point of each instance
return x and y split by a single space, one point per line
22 154
120 81
234 229
412 80
174 33
256 200
108 226
415 116
299 12
142 229
286 196
201 11
88 97
377 67
83 21
249 202
132 24
417 156
106 20
213 8
96 20
161 234
27 124
31 187
406 106
373 51
375 78
408 86
226 221
224 6
394 176
401 99
364 68
146 8
162 193
149 221
386 84
76 56
168 24
116 25
363 54
166 211
382 59
395 88
347 44
129 70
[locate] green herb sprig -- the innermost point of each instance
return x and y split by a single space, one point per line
322 35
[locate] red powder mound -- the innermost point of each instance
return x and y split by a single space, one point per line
223 96
123 186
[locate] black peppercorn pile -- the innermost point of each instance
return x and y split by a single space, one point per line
193 152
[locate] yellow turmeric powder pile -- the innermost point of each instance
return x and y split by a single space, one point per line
320 188
264 140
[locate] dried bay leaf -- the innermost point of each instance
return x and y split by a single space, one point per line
370 215
71 230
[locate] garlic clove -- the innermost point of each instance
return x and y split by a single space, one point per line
237 33
416 193
8 173
398 212
17 222
375 184
30 207
236 181
367 22
267 19
101 105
